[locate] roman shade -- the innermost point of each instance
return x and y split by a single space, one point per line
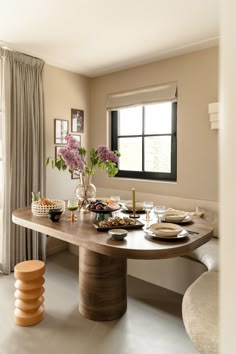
144 95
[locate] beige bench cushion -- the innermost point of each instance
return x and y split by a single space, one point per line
200 314
207 254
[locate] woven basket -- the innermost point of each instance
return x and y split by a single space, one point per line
42 210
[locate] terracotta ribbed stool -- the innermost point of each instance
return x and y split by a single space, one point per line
29 290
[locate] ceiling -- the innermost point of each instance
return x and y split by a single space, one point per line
95 37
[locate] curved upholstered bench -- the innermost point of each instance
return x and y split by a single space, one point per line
208 254
200 302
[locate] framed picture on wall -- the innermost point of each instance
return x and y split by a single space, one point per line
76 137
77 120
61 129
57 149
75 175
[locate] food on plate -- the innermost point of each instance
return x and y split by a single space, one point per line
117 221
101 205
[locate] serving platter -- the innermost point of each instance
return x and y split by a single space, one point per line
138 225
103 214
129 211
105 211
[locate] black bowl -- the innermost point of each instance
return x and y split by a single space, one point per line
55 214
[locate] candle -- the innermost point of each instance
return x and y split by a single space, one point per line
133 199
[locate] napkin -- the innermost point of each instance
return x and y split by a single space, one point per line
197 212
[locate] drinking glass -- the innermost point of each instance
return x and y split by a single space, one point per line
116 199
72 206
147 206
159 211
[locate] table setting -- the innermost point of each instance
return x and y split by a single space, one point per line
117 217
159 222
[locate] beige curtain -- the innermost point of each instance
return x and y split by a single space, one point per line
22 119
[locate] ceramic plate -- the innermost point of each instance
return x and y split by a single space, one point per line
180 236
186 219
138 206
165 229
175 218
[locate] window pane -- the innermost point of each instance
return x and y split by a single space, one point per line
158 154
158 118
130 121
131 154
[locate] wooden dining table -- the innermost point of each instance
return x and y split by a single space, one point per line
103 261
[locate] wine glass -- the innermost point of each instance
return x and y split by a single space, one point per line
159 211
147 206
72 206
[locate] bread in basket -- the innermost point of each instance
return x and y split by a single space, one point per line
42 206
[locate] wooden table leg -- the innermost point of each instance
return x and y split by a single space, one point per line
102 286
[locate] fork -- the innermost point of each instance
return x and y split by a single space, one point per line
192 232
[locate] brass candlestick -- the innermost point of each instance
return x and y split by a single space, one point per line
134 215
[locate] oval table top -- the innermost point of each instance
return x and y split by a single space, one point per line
137 245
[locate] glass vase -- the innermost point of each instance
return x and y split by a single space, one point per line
85 190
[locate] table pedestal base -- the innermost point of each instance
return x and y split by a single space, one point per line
102 286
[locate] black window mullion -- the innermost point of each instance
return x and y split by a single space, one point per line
114 130
143 144
129 136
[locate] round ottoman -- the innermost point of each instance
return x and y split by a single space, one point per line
29 308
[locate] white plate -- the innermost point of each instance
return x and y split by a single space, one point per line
186 219
181 235
138 206
165 229
171 217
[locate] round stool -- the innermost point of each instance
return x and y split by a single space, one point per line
29 308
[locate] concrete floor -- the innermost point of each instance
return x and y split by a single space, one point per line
152 323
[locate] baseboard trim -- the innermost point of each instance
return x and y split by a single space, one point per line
57 249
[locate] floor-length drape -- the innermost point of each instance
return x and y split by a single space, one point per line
22 153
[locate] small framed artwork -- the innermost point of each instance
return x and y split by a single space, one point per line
57 149
76 137
75 175
77 120
61 129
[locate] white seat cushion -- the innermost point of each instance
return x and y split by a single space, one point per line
200 313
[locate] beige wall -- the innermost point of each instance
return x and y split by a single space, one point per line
197 77
63 90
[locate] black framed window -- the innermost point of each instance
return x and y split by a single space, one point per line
146 137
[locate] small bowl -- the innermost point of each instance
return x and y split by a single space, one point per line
118 234
55 214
